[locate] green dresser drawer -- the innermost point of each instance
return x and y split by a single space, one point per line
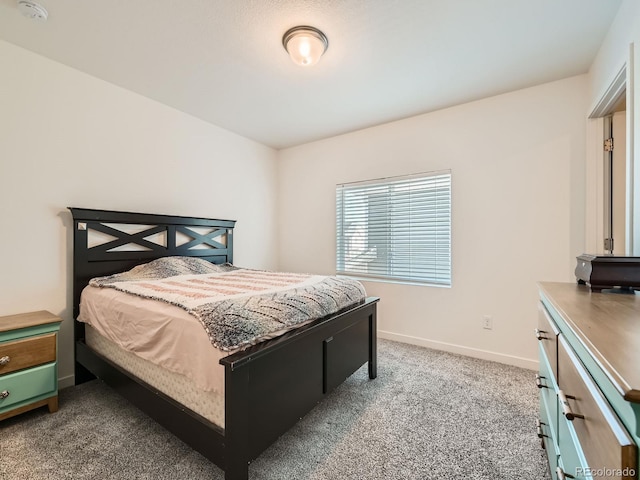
547 335
27 384
548 437
548 388
572 459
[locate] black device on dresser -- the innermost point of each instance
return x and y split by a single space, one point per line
608 271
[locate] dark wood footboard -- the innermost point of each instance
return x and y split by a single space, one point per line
270 387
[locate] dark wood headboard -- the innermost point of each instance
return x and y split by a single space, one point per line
128 239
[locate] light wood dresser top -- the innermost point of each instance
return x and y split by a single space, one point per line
25 320
608 324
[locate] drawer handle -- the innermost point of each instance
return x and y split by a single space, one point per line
539 334
562 475
539 429
4 394
539 383
4 360
566 408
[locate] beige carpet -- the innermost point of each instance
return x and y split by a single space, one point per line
428 415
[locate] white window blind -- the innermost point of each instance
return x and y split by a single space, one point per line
396 228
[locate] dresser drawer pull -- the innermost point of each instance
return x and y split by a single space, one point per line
4 360
539 429
539 383
539 334
562 475
4 394
566 408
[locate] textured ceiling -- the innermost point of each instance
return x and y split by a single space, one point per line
223 61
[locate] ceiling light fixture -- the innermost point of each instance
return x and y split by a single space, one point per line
32 10
305 45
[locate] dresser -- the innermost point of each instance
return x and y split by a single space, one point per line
28 362
589 381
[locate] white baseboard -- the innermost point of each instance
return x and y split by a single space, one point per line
64 382
461 350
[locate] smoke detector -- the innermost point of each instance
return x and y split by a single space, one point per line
32 10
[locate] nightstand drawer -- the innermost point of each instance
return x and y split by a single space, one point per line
27 384
26 353
602 438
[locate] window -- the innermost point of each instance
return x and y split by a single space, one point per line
396 228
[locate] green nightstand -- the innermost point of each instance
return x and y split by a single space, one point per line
28 362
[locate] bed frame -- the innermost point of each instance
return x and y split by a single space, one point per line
268 387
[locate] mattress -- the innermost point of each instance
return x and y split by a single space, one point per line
160 333
209 404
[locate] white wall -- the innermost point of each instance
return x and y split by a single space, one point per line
517 162
68 139
621 46
614 51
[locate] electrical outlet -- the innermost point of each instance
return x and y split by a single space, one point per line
487 322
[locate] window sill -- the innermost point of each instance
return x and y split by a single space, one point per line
393 281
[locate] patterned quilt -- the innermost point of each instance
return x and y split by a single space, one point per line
237 306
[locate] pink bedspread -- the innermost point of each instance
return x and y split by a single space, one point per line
161 333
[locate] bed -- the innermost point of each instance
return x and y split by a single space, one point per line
268 386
